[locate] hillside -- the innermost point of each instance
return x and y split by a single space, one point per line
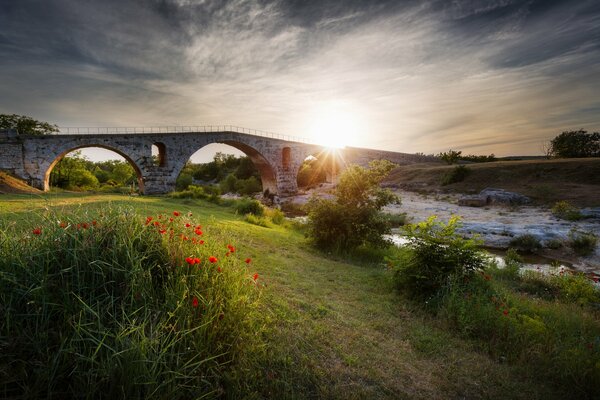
544 181
10 184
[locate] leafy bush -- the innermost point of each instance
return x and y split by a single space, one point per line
249 206
576 144
354 218
565 210
450 156
582 243
114 307
512 266
396 220
183 181
436 254
276 216
457 174
526 243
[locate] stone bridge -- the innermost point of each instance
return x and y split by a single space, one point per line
278 158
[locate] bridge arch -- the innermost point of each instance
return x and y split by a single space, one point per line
60 156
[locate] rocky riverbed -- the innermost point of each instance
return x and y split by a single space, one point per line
497 225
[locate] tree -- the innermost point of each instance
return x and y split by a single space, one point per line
24 125
450 157
354 217
576 144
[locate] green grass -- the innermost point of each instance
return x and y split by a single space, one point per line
329 328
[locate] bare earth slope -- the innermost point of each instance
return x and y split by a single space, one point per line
544 181
10 184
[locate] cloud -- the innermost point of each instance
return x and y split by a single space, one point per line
490 76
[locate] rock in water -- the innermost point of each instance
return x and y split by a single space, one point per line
501 196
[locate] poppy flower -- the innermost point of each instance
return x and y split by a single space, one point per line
170 219
201 242
195 302
219 269
198 231
37 231
255 277
156 223
595 279
187 225
197 260
176 213
162 231
94 223
248 260
189 260
505 312
148 220
62 224
85 225
231 248
212 259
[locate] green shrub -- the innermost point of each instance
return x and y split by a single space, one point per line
249 186
565 210
396 220
183 181
114 307
436 253
249 206
554 244
526 243
354 218
582 243
512 266
456 174
276 216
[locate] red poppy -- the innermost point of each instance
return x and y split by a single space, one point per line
255 277
595 279
156 223
94 223
221 316
231 248
85 225
219 269
201 241
162 231
148 220
248 260
62 224
187 225
189 260
197 260
198 231
176 213
37 231
505 312
170 219
212 259
487 277
195 302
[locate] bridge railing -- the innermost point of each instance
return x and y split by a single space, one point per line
70 130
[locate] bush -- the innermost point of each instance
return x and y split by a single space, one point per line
249 206
396 220
436 253
565 210
450 157
249 186
276 216
526 243
457 174
114 307
183 181
582 243
512 266
354 218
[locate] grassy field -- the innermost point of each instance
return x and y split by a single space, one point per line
335 328
545 181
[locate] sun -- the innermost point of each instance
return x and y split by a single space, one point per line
335 127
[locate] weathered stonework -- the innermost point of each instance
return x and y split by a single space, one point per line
278 161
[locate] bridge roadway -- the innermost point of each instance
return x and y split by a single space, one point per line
277 157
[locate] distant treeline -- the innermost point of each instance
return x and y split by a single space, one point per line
453 156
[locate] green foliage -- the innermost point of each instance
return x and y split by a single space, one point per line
276 216
257 220
512 266
436 253
565 210
24 125
110 308
183 181
457 174
75 172
312 172
575 144
249 206
450 156
354 218
526 243
582 243
478 159
396 220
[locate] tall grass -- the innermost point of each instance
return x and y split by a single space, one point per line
121 306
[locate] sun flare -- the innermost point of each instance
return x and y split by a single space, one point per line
335 127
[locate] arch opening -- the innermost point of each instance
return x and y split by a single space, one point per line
159 154
100 168
319 168
228 167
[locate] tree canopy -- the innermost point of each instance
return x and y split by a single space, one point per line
25 125
575 144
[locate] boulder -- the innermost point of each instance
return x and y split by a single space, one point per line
472 201
501 196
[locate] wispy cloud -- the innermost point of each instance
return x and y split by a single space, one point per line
489 76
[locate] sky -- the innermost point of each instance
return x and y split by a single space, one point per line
480 76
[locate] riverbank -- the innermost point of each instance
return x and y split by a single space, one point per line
498 225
